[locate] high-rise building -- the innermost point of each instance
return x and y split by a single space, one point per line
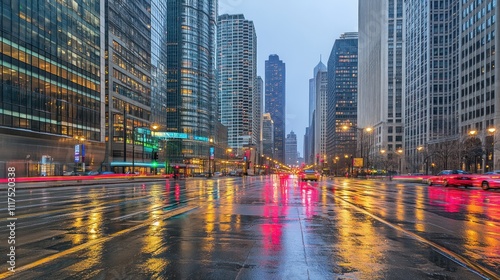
239 101
191 81
342 100
432 89
258 111
267 135
275 102
321 111
478 105
381 76
291 149
128 79
51 97
309 143
159 63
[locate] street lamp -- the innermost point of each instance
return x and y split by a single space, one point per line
400 153
211 155
228 152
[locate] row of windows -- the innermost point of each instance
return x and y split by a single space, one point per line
478 100
26 59
490 110
469 89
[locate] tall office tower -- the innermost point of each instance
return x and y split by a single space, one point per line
191 83
51 96
309 144
432 81
275 102
381 76
308 158
321 110
258 111
237 70
267 135
128 80
159 63
342 100
478 103
291 149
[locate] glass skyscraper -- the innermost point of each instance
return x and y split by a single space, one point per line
191 82
50 99
342 99
128 82
275 102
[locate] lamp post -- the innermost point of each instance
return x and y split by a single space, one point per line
228 151
384 161
400 153
210 157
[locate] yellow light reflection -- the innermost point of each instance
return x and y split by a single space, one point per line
419 212
359 243
153 241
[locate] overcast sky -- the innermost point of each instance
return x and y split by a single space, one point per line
298 32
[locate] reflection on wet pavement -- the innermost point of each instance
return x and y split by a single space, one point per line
271 228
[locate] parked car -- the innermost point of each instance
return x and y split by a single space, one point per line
309 175
452 178
92 173
487 180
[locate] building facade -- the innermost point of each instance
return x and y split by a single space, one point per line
321 114
267 135
342 101
310 137
291 149
275 102
381 80
239 102
128 79
51 97
431 87
479 120
191 81
258 111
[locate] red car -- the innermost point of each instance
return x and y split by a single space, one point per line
487 180
452 178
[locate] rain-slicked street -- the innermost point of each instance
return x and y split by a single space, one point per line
255 228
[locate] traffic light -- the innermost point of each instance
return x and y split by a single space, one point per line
155 155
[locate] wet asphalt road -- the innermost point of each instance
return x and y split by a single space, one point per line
255 228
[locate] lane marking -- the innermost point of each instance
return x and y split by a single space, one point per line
80 247
464 262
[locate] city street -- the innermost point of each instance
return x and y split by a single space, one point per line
254 228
